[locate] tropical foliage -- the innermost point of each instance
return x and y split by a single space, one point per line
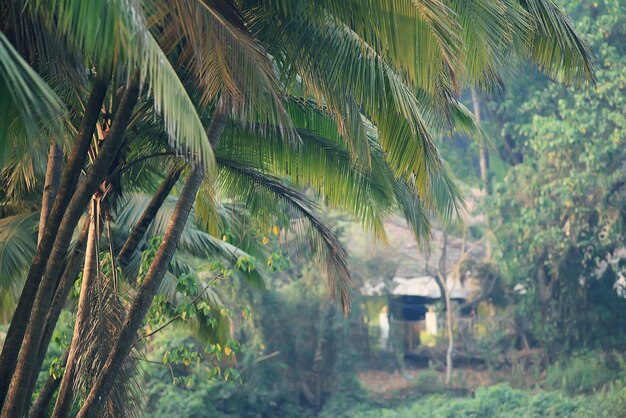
566 219
265 108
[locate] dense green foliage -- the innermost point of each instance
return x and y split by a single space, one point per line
504 402
559 212
294 108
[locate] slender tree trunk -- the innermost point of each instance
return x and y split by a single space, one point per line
483 159
51 185
450 338
40 406
73 267
138 232
106 377
441 280
70 273
71 174
483 154
142 301
15 401
90 272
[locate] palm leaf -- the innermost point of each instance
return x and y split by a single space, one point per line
266 196
322 165
18 242
194 243
116 31
25 99
210 40
556 47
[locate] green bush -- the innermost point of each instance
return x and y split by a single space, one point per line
502 401
584 372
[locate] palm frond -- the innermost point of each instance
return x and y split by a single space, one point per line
416 216
194 243
26 99
24 168
107 314
116 31
334 63
266 196
18 242
322 165
556 48
420 38
211 41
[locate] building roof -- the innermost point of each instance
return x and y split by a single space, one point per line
427 287
424 286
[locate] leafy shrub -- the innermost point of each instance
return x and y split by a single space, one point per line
428 381
583 372
502 401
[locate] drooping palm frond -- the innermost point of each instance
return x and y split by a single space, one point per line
447 204
488 29
334 64
107 314
322 165
24 168
18 242
420 38
556 48
266 196
210 40
25 99
416 216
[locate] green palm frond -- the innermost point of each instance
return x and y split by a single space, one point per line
194 242
113 31
24 168
465 122
267 196
322 165
210 40
556 48
26 99
447 202
334 63
416 216
18 242
418 37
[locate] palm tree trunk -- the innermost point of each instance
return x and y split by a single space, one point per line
71 174
136 235
142 301
90 272
40 406
15 401
450 338
106 377
70 273
51 185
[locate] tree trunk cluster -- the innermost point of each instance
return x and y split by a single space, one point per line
70 190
